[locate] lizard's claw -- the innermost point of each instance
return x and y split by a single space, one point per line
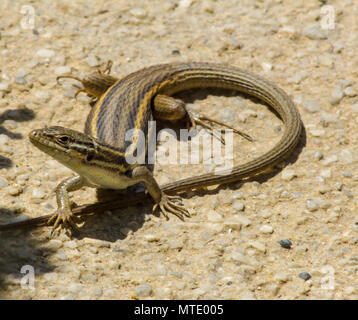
63 219
172 204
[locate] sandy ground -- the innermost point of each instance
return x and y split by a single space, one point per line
230 247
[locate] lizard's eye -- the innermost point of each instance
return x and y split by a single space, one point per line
63 139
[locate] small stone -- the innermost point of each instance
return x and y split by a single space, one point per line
238 206
346 156
347 174
71 244
305 276
311 106
20 80
266 67
92 61
239 257
3 182
15 191
151 237
324 189
326 173
266 213
312 205
317 132
175 244
337 95
338 186
45 53
21 73
288 174
257 245
330 160
338 46
318 155
59 71
143 290
281 277
314 33
285 244
227 115
266 229
214 216
350 92
139 13
5 87
54 244
38 194
354 107
348 193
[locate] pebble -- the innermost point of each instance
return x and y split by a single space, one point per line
266 66
317 132
347 174
5 86
54 244
257 245
314 33
3 182
266 213
143 290
45 53
338 186
305 276
324 189
337 95
346 156
20 80
326 173
239 257
214 216
354 107
312 205
38 194
285 244
59 71
21 73
15 191
266 229
330 160
318 155
311 106
338 46
92 61
350 92
238 206
227 115
139 13
281 277
175 244
288 174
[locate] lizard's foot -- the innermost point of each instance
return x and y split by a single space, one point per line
199 119
63 219
172 204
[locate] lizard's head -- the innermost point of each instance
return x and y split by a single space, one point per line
77 150
64 144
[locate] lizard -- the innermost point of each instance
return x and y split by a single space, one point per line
98 155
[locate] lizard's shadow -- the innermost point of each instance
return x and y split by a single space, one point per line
117 226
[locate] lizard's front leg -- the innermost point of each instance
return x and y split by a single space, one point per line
167 204
64 216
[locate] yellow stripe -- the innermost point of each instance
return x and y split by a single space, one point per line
97 108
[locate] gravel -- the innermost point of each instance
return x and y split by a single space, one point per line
228 248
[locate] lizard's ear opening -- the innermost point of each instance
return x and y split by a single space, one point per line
89 156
